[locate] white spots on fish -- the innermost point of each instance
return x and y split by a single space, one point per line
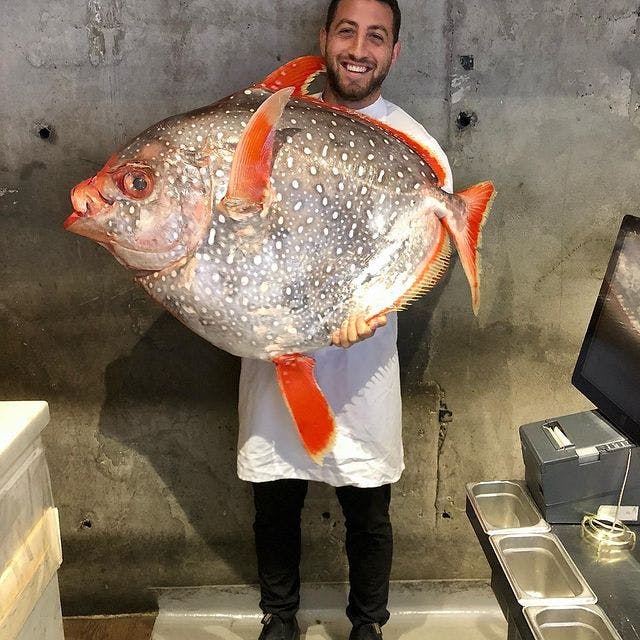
247 92
313 170
400 174
319 188
212 237
295 184
290 162
364 190
325 201
309 136
331 135
293 121
372 143
289 140
222 219
381 176
341 186
307 151
297 206
257 260
219 173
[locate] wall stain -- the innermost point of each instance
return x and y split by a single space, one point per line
105 31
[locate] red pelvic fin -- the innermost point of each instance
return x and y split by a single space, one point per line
477 200
298 73
251 166
306 403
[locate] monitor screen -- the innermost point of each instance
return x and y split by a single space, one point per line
608 368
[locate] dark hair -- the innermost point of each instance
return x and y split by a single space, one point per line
392 4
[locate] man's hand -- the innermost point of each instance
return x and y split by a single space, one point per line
355 329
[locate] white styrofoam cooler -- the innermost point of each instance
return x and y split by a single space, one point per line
30 551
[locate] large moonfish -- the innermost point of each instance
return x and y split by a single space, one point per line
266 219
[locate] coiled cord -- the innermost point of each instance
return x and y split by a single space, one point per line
609 533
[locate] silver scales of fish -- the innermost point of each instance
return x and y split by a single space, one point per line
266 219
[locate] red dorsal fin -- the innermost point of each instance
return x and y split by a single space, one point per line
466 236
298 73
251 166
306 403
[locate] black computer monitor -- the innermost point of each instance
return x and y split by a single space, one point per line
608 368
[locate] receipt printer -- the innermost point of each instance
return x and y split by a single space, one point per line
576 464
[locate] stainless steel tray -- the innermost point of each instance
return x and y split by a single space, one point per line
582 622
540 570
504 506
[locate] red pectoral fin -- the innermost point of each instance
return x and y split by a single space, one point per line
308 407
251 165
298 73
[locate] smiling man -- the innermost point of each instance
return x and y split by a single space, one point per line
358 374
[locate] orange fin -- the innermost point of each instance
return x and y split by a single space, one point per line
477 201
298 73
248 187
306 403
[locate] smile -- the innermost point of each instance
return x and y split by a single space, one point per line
355 68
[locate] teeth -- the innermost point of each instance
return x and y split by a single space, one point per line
357 69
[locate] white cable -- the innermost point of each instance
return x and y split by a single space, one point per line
608 532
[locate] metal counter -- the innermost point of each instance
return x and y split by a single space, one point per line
615 580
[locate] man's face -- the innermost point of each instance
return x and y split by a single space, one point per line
358 50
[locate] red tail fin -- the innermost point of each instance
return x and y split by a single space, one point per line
307 405
477 201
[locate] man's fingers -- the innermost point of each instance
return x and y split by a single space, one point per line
356 328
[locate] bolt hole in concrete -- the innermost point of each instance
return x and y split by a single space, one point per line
86 524
466 62
44 131
326 515
466 119
446 514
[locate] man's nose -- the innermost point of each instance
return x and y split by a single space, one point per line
358 46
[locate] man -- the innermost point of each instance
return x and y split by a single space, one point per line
358 375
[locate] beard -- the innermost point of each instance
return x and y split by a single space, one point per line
354 91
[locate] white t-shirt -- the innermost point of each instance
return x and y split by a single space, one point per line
361 384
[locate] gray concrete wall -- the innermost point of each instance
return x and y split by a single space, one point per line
142 437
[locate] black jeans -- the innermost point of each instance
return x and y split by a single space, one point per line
369 545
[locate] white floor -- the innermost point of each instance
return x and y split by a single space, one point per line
421 610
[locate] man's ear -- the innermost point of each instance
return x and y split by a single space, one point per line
396 52
323 41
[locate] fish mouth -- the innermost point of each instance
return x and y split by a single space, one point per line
87 201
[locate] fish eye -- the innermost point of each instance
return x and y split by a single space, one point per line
139 183
136 182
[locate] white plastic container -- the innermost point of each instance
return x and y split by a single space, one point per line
30 550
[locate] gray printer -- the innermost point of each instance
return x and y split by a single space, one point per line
576 463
